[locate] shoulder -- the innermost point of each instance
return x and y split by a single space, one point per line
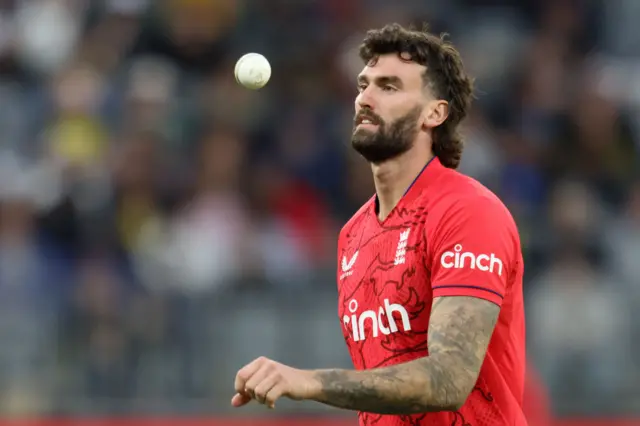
465 205
461 194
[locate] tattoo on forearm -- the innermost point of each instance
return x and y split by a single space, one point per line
459 334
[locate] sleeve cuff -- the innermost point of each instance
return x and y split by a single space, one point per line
468 290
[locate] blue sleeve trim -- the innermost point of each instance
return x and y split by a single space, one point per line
473 287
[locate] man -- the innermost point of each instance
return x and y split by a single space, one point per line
430 269
535 403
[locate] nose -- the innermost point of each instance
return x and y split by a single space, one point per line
365 100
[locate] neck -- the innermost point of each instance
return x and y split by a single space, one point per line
393 177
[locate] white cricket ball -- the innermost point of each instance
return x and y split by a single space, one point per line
253 71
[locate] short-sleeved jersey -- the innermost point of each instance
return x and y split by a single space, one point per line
448 236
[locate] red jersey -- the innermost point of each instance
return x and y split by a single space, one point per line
448 236
537 408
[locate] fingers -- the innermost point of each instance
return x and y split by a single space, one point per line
260 380
274 394
264 387
239 400
246 373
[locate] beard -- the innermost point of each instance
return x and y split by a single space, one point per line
389 140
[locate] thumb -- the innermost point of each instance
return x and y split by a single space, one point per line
239 400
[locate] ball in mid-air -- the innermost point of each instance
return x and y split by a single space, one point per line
253 71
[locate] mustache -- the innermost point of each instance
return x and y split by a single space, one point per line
366 114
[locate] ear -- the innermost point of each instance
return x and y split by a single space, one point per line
435 113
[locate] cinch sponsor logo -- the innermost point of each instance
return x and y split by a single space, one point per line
458 259
357 323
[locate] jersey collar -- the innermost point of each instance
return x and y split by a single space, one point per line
425 178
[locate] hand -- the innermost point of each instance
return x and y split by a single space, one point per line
266 381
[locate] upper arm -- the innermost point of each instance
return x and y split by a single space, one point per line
460 328
473 258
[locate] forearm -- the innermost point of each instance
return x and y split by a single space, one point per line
424 385
459 333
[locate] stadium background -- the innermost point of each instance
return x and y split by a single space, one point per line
160 226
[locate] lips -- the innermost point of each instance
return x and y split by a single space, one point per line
366 119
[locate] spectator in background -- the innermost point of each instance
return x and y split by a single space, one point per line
195 34
574 309
34 278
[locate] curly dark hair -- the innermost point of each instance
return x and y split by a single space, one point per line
445 76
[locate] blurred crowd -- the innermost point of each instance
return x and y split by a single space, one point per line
160 225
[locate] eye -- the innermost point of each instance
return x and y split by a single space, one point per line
361 87
388 88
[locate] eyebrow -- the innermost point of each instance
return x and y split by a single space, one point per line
382 80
